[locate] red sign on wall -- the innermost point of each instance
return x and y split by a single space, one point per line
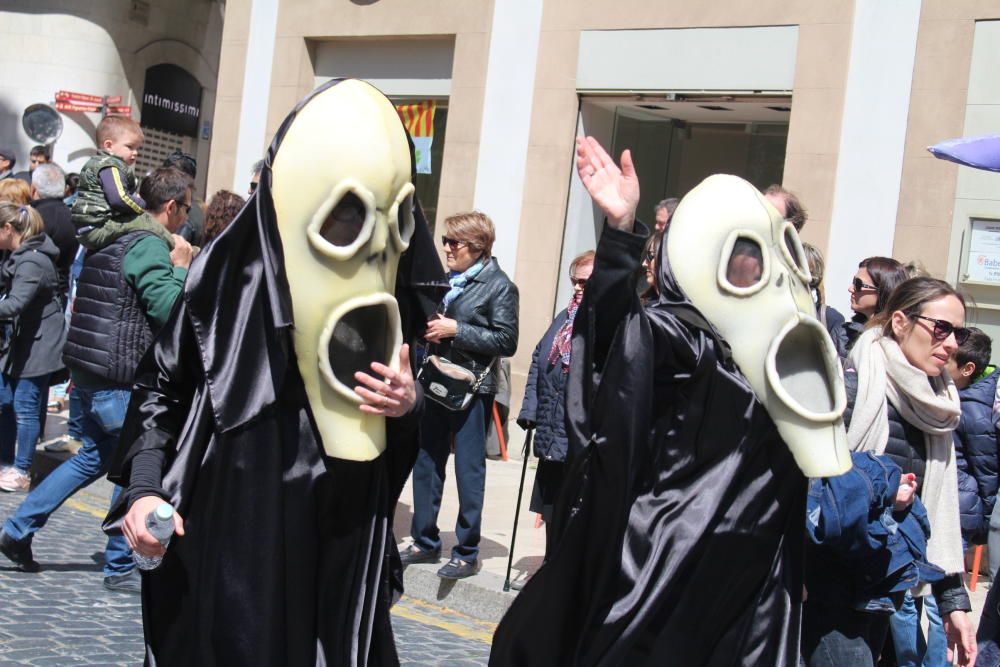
80 108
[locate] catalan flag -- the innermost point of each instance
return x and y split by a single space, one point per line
419 121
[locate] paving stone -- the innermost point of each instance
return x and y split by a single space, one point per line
63 616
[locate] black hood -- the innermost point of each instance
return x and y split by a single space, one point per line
238 285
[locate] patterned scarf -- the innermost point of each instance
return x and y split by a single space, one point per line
562 343
459 281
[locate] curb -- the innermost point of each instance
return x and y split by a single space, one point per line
480 596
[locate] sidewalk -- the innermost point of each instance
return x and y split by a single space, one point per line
480 596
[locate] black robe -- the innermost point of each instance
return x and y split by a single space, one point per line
679 529
288 556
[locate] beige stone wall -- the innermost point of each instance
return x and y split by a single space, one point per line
302 23
937 112
228 100
813 142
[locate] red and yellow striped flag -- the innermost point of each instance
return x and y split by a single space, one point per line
418 118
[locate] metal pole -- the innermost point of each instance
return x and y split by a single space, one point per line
517 510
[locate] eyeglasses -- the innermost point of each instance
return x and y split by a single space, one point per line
944 328
859 285
579 282
183 206
453 243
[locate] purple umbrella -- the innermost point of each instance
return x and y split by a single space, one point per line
979 152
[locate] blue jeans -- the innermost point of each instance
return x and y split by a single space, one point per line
908 638
436 428
21 401
74 427
102 415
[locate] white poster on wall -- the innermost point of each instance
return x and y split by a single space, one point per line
983 263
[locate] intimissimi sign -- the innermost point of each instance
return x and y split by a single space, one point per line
171 100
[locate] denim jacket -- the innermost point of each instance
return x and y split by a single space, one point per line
878 553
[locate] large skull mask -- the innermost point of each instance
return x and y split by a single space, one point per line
742 265
344 204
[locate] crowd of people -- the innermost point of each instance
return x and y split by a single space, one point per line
94 264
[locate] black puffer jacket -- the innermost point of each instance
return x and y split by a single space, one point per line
907 449
846 333
976 454
486 313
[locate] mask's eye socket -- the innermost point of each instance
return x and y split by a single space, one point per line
344 223
401 215
744 268
795 254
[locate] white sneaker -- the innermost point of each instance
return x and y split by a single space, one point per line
13 480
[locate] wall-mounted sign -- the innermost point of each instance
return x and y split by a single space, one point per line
171 100
983 262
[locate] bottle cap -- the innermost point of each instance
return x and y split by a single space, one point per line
164 511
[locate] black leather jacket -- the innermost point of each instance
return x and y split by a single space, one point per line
486 313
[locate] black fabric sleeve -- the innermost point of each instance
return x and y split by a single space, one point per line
951 595
611 289
147 473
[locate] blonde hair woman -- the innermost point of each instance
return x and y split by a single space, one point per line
35 333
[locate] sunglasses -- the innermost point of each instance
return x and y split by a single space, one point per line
183 206
649 257
452 243
943 329
859 285
579 282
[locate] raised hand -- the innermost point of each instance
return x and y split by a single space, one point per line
614 190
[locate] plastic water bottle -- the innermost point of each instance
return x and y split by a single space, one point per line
160 524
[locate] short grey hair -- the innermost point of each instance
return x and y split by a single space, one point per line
49 180
668 204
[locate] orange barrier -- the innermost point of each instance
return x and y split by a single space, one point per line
977 557
503 441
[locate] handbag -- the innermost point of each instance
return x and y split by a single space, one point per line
448 384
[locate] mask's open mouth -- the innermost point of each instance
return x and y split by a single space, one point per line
803 371
358 332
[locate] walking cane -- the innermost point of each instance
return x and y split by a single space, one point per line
517 511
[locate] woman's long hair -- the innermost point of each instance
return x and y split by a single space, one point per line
886 275
25 220
910 297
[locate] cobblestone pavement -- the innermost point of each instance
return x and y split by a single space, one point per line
64 616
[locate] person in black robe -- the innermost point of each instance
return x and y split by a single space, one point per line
679 530
286 556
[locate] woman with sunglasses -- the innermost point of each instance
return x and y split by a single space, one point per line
32 351
476 324
869 289
544 406
902 405
647 286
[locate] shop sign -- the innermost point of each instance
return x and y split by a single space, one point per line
983 263
171 100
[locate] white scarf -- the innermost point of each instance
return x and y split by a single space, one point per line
931 405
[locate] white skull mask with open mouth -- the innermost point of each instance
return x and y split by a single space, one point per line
344 204
742 265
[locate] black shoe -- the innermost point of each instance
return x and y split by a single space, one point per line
414 554
459 569
18 552
130 582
